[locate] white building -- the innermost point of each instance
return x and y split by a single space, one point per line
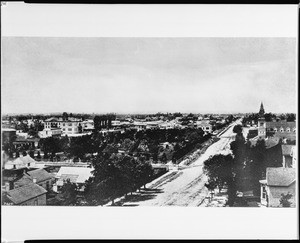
77 175
88 125
204 125
49 132
69 126
20 163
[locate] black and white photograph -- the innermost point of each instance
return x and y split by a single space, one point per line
142 122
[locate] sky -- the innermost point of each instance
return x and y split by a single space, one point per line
147 75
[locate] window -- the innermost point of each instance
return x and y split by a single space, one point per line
207 128
275 129
264 192
288 129
281 129
70 124
69 129
261 124
294 129
35 202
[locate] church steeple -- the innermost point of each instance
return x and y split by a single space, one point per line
261 110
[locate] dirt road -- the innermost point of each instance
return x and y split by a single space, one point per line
182 186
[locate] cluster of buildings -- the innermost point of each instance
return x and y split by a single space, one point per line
71 126
28 182
141 124
60 126
280 139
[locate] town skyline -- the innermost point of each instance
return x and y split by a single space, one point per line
148 75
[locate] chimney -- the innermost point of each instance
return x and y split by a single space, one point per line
34 180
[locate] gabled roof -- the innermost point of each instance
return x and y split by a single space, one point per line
27 159
52 119
279 124
287 149
75 174
24 193
280 176
40 175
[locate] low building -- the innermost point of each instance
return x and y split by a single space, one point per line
139 125
77 175
29 143
279 181
88 125
20 163
39 176
30 194
204 125
50 132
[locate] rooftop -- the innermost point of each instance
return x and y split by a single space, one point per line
279 124
75 174
40 175
24 193
8 130
280 176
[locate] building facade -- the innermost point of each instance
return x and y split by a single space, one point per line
69 126
279 182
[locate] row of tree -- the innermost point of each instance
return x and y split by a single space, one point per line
241 170
115 175
289 117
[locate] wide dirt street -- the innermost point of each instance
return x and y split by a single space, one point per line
183 186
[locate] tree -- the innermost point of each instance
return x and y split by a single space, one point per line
97 123
269 117
38 155
219 170
68 195
79 128
163 158
284 200
31 154
290 117
32 131
65 116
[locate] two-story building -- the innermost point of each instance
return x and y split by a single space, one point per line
30 195
66 126
278 183
39 176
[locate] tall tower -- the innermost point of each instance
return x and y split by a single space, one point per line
261 110
261 122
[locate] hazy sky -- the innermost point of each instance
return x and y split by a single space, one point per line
134 75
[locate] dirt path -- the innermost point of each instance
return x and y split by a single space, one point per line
183 186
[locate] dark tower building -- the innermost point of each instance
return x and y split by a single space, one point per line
261 110
261 122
